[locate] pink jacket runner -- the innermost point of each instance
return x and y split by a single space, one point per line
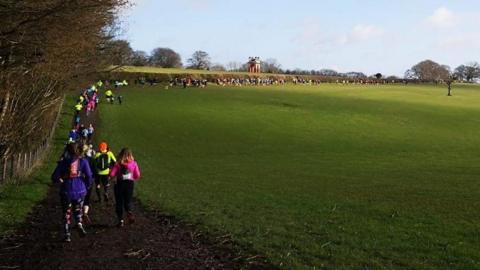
132 166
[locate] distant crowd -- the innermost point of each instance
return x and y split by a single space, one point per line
254 81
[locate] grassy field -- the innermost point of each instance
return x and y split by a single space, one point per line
331 176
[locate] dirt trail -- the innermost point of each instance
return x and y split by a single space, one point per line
153 242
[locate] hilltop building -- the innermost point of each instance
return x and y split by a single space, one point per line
254 65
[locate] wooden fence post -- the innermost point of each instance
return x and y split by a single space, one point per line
12 167
19 164
25 163
4 168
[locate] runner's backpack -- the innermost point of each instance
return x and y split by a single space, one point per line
126 174
103 162
74 169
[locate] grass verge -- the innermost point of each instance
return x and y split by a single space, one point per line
17 200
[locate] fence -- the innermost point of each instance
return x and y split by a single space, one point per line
18 165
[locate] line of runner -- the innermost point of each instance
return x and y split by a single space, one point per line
80 169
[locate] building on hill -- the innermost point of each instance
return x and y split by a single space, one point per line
254 65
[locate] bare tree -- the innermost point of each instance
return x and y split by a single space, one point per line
199 60
140 58
234 66
218 67
46 47
271 65
166 58
328 72
428 71
118 52
468 72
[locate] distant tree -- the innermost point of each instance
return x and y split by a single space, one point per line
328 72
451 78
468 72
140 58
460 72
218 67
199 60
393 78
244 67
428 70
271 65
409 75
378 76
355 75
117 52
234 66
166 58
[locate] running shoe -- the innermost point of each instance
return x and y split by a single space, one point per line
121 223
82 231
67 239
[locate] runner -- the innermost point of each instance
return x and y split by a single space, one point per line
74 176
83 134
76 121
89 155
78 108
91 130
110 97
73 136
104 160
127 172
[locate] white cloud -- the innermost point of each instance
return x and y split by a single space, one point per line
313 36
442 18
361 33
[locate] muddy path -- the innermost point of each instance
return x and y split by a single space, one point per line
152 242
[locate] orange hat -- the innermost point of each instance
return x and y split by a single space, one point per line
103 147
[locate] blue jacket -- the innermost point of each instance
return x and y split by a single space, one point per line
77 178
74 135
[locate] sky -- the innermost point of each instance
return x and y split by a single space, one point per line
368 36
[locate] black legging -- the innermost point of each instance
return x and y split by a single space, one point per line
123 197
99 181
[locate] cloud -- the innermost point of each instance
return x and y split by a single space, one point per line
312 36
442 18
361 33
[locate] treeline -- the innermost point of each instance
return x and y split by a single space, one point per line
46 48
429 70
425 71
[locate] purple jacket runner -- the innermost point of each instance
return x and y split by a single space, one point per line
73 188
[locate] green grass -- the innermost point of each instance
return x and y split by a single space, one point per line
331 176
17 200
